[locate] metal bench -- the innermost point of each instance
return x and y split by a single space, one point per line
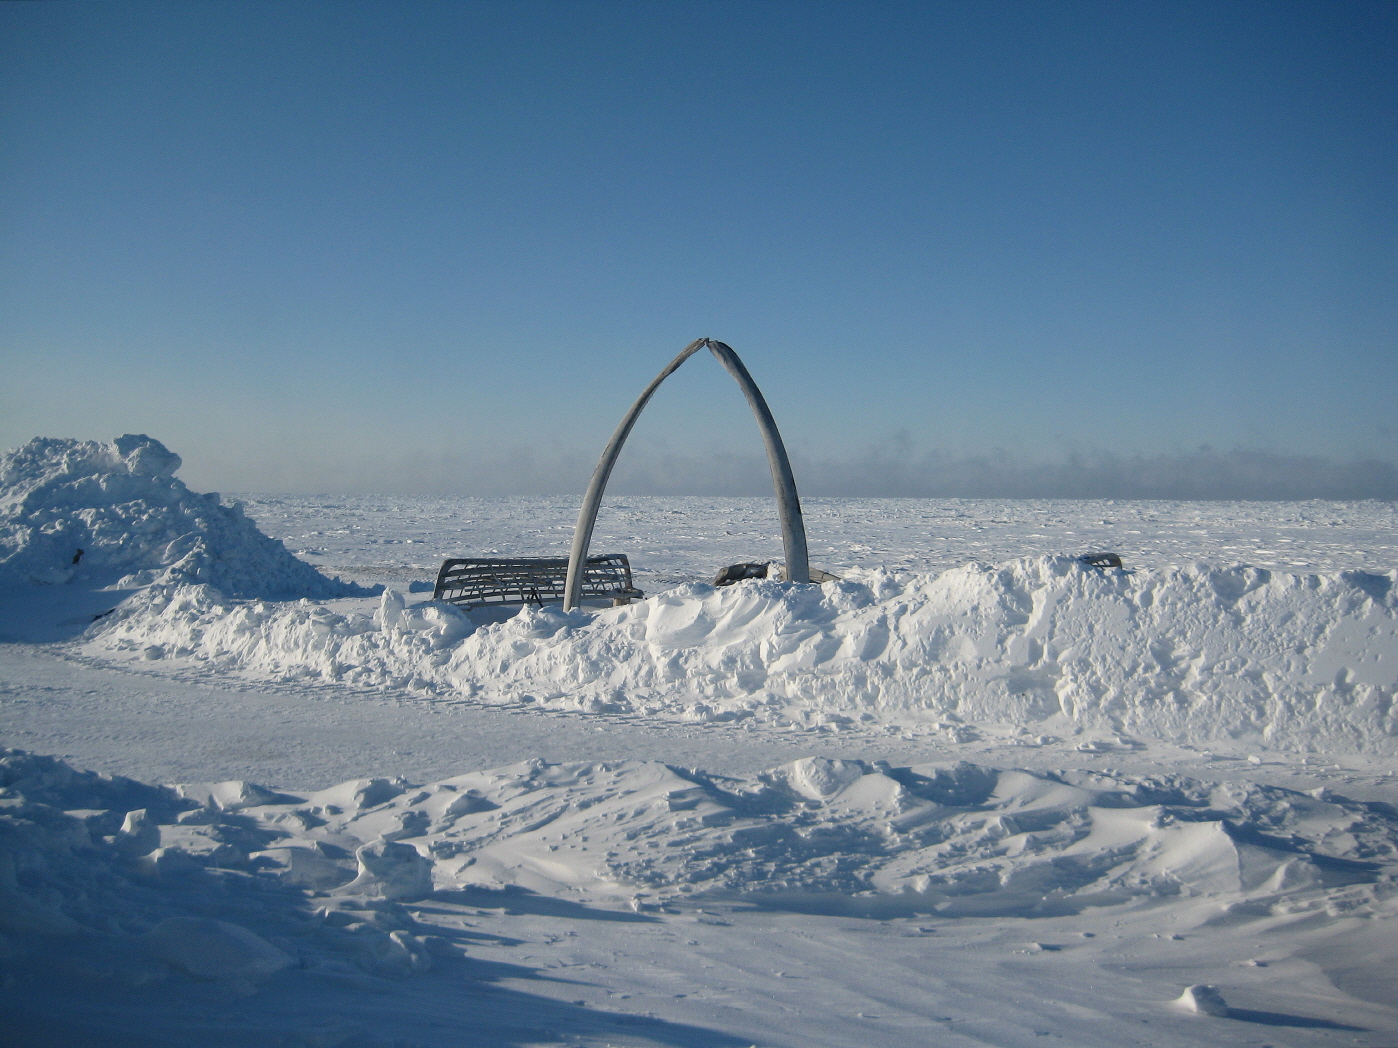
484 582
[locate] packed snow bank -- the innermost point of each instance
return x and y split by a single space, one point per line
81 510
1192 654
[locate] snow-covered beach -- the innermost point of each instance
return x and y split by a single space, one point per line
974 792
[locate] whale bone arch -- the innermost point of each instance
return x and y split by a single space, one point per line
788 502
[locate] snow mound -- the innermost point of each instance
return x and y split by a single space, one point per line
1191 654
121 505
1204 1000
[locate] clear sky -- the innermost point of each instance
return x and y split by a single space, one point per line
420 246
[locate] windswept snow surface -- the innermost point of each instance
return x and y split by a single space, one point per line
142 908
75 512
992 816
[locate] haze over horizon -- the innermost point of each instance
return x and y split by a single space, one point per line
1079 250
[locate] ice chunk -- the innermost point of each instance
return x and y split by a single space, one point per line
228 796
145 456
390 870
305 866
139 835
819 778
1204 999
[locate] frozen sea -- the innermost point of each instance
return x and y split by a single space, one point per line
673 540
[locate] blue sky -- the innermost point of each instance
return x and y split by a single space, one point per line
441 246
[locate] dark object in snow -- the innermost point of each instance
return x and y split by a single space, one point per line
77 556
737 572
480 582
1101 560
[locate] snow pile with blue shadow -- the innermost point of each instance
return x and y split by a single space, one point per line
89 513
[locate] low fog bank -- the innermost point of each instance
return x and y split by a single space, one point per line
891 470
1200 474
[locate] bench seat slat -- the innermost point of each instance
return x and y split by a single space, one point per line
489 581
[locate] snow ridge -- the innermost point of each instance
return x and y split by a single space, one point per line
135 524
1188 654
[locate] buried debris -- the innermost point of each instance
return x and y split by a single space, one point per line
764 570
737 572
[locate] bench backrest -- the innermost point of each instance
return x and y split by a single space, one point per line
476 582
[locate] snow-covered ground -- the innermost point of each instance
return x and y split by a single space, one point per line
973 793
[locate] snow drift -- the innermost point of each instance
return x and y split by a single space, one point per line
233 882
75 511
848 836
1190 654
112 879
